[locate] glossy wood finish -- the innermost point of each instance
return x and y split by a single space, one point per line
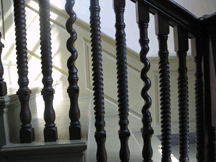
73 89
124 133
147 131
50 130
3 85
181 47
100 134
176 14
199 102
26 131
162 31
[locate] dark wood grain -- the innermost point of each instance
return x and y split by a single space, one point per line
162 31
73 89
176 14
100 134
3 85
199 102
124 133
181 47
26 131
50 130
147 131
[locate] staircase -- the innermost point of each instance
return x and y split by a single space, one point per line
168 97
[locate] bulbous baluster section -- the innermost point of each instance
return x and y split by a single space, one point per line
73 89
26 131
50 130
100 133
124 133
200 146
162 31
147 131
181 47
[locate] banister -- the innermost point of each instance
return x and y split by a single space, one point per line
176 14
210 17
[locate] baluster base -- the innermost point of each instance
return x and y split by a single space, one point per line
50 134
3 88
75 132
27 135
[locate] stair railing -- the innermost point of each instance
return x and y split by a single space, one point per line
167 13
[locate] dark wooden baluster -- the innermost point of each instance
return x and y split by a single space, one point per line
213 144
124 132
211 115
50 130
3 85
100 134
26 131
147 131
162 31
199 100
73 89
181 47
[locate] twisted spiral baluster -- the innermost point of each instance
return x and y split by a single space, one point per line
147 131
100 134
50 130
199 104
73 89
3 85
162 31
181 47
26 131
124 132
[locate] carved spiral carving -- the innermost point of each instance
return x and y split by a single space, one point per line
50 131
124 132
165 98
21 45
147 129
73 89
183 107
199 110
26 132
100 133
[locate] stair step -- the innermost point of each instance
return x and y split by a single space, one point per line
62 150
59 151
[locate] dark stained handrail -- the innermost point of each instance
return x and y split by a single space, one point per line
176 14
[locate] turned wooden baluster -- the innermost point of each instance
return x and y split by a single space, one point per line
100 134
181 47
26 131
198 42
50 130
124 132
162 31
73 89
3 85
212 81
147 131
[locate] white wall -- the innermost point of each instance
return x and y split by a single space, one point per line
81 7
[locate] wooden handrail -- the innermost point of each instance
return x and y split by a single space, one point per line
176 14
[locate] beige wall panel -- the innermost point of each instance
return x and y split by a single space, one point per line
135 85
